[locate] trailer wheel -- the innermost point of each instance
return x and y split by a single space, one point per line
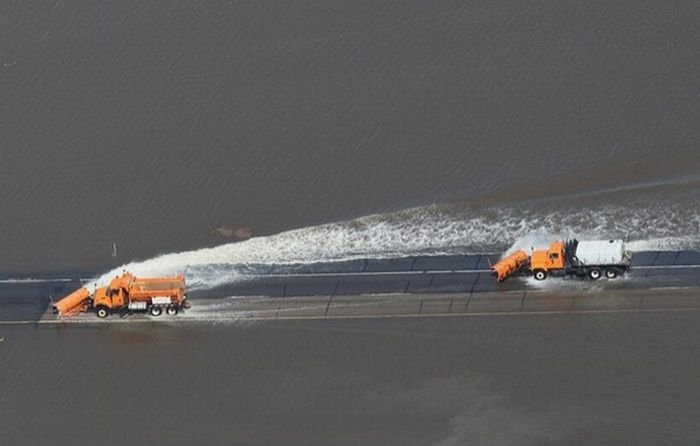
155 310
594 274
171 310
540 274
611 273
102 311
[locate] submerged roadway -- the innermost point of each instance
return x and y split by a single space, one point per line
457 285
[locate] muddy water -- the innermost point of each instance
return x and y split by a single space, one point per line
528 380
152 124
162 125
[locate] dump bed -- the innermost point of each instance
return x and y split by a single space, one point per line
158 287
601 252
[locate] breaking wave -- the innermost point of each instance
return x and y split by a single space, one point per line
434 230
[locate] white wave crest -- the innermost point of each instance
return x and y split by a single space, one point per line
437 229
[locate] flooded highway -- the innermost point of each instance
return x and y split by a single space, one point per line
428 350
399 286
554 379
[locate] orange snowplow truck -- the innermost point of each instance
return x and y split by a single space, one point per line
127 293
593 259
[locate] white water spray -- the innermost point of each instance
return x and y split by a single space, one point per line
433 230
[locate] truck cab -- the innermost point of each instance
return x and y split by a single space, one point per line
115 295
543 261
109 297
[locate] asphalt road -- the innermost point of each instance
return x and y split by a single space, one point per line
401 351
411 286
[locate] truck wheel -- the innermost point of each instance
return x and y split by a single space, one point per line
171 310
611 273
102 311
155 310
594 274
540 274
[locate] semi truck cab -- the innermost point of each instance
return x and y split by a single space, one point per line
549 259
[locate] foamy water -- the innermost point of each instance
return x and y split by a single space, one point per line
434 230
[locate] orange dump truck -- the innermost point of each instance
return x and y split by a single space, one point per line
592 258
127 293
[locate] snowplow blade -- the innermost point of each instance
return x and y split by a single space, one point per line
509 265
72 303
